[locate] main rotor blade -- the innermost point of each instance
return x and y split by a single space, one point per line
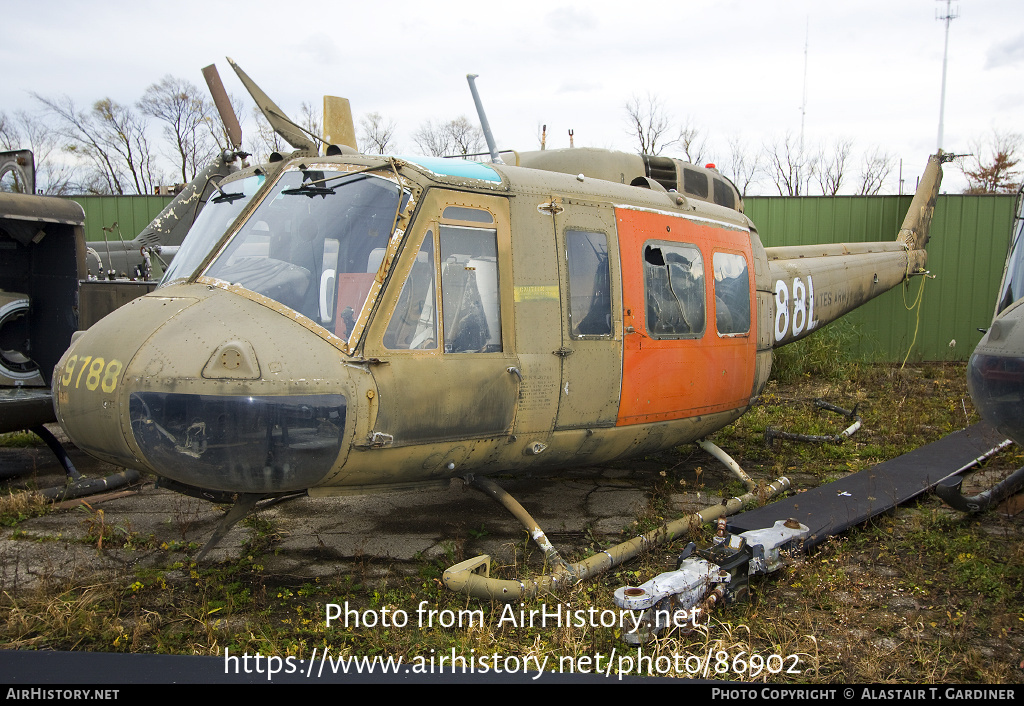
275 116
223 103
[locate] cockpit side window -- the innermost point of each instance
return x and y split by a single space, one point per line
413 324
469 289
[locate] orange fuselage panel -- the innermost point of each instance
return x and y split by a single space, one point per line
680 375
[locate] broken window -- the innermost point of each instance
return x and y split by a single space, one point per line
413 325
469 289
674 284
590 303
732 294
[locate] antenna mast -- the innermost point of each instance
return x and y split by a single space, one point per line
947 18
803 106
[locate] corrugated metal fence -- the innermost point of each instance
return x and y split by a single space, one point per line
970 235
969 238
122 216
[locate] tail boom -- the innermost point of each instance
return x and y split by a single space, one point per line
813 285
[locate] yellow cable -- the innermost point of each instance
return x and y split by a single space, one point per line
917 318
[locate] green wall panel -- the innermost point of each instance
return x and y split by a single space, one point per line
130 213
969 238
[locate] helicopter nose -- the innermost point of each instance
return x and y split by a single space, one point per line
200 393
995 374
90 379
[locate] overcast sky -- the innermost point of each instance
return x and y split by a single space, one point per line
733 68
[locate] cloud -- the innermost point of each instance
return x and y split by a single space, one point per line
580 87
1006 53
563 18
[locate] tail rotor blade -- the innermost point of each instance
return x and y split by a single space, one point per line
338 126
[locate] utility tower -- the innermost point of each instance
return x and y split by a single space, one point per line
947 18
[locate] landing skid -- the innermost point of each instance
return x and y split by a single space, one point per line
78 486
949 491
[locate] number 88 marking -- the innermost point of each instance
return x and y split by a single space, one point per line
799 308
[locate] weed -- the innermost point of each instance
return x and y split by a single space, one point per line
20 506
825 355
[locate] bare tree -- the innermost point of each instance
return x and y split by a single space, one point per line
830 165
648 123
10 139
311 119
743 166
111 138
992 166
877 167
124 133
431 138
788 165
692 141
454 137
466 137
55 175
265 141
376 134
186 113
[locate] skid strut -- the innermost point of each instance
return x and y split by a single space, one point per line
472 577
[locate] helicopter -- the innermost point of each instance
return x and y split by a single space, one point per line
344 323
995 373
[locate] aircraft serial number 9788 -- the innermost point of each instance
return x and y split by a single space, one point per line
102 374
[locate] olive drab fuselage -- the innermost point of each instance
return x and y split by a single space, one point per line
346 324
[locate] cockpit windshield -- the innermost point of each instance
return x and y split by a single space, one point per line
215 218
315 244
1013 281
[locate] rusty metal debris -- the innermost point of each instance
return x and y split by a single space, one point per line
704 578
771 433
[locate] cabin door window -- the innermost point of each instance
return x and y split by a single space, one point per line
469 290
413 326
674 284
590 303
732 294
451 369
590 356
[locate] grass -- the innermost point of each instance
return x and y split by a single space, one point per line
20 440
921 595
16 507
823 356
